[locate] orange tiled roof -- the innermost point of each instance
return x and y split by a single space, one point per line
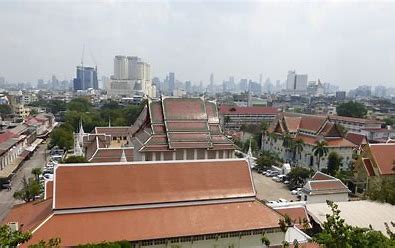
368 167
111 155
355 138
77 186
156 223
296 213
384 155
29 215
321 176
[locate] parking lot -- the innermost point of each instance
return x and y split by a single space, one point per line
267 189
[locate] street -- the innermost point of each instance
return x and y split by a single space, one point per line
6 197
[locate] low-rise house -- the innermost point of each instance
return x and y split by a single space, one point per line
153 204
233 117
377 161
322 188
308 130
43 122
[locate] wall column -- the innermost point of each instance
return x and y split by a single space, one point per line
194 154
205 154
185 154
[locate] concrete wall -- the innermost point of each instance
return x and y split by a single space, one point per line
342 197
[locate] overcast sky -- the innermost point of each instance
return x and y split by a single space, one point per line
347 43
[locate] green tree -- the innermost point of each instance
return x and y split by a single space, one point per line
287 141
267 159
52 243
75 159
62 137
337 233
297 147
118 244
390 121
382 190
226 120
11 238
79 104
351 109
334 163
30 188
320 150
36 172
298 175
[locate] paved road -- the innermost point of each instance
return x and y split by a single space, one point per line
267 189
6 197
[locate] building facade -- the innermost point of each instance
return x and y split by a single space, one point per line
310 129
86 78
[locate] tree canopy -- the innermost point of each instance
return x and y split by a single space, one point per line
351 109
298 176
12 238
30 188
334 163
383 190
75 159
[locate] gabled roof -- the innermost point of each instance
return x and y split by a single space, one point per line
111 155
322 183
113 131
368 166
322 176
180 123
236 110
156 223
76 186
296 213
356 138
29 215
384 156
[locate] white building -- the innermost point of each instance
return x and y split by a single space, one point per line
296 83
131 77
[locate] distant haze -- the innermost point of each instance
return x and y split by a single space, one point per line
339 42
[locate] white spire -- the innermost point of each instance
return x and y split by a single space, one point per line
77 146
250 158
81 128
123 157
109 121
81 133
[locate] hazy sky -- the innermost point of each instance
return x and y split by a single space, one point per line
347 43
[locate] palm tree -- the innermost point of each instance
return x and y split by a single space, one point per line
287 141
320 150
298 147
36 172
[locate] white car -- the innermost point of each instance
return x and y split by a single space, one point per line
276 179
294 192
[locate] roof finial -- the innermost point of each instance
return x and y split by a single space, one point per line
123 157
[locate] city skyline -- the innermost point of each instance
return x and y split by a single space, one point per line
346 44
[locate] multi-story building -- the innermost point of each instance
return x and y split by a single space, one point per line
131 77
86 78
178 129
172 83
310 129
296 83
233 117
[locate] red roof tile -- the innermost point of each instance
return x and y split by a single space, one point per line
184 109
355 138
321 176
150 183
368 167
296 213
156 223
111 155
236 110
384 156
29 215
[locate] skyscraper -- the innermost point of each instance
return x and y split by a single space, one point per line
296 83
212 78
172 80
86 78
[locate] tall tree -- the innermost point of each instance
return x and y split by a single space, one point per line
297 148
36 172
334 163
30 188
320 150
351 109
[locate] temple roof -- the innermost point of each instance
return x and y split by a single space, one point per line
172 123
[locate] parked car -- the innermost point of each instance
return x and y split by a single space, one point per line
281 200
